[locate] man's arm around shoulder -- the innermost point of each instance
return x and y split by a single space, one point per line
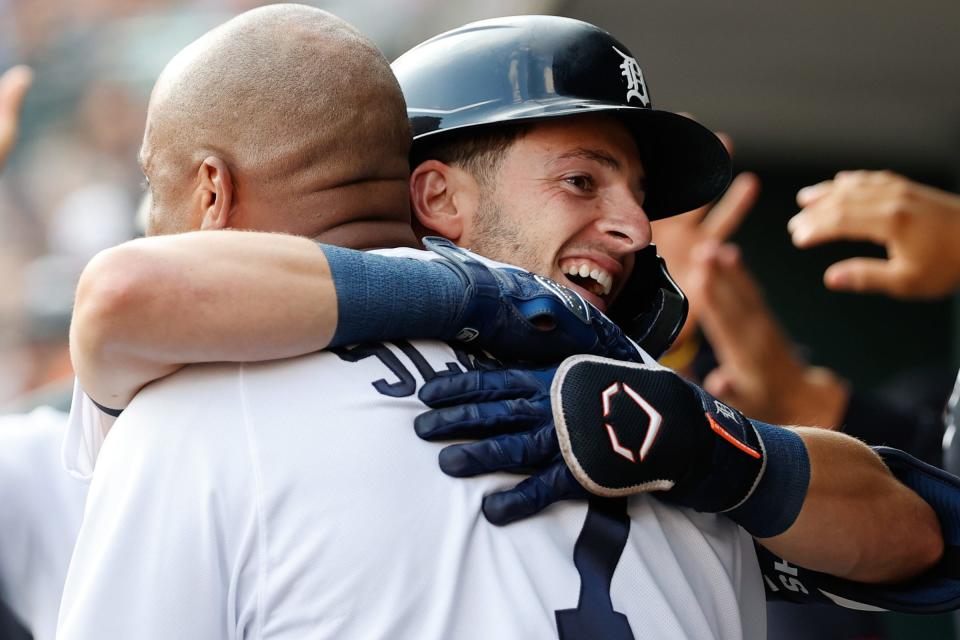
146 307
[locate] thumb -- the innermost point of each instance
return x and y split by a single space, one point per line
863 275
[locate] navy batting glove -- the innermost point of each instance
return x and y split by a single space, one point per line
509 411
627 428
523 316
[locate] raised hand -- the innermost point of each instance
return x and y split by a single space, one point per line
14 84
759 370
678 237
918 225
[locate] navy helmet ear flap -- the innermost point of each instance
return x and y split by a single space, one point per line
651 308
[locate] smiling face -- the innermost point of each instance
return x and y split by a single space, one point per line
566 202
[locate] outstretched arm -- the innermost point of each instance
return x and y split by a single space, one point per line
819 499
148 307
857 520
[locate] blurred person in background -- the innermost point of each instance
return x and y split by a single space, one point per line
918 225
749 360
42 505
733 342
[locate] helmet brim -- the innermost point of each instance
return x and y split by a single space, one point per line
686 164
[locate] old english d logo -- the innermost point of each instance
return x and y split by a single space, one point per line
653 428
636 87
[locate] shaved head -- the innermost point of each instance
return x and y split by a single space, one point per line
302 109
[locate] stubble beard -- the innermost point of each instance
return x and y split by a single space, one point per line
497 238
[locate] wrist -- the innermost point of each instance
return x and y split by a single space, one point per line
388 298
758 473
775 502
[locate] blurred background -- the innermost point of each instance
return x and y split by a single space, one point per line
804 90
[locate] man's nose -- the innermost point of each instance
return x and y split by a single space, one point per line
625 224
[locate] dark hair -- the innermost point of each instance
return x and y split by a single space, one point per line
479 150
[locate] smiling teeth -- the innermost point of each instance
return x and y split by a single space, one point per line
601 277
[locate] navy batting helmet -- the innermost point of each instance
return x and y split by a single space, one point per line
529 68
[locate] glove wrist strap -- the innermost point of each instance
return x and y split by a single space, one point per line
767 501
387 298
775 502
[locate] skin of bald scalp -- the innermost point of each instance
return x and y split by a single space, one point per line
241 107
238 136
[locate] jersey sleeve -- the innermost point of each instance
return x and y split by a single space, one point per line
169 543
86 429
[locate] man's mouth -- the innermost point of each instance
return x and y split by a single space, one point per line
588 275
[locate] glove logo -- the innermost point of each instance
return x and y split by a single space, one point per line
726 411
656 419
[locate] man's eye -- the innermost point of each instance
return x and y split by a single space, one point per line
581 182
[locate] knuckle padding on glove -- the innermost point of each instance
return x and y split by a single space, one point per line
578 400
625 428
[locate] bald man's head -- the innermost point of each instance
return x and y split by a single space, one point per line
296 109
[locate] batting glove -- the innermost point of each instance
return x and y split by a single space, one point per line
620 429
508 411
523 316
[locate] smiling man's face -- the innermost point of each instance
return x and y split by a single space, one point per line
566 202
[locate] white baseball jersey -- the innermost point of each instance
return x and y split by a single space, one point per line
41 509
292 499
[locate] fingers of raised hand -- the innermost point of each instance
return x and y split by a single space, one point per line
14 84
730 210
869 275
856 205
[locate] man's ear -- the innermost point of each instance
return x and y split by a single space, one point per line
444 199
215 192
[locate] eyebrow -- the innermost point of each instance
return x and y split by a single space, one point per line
601 157
595 155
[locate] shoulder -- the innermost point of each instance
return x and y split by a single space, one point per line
406 252
193 418
420 254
